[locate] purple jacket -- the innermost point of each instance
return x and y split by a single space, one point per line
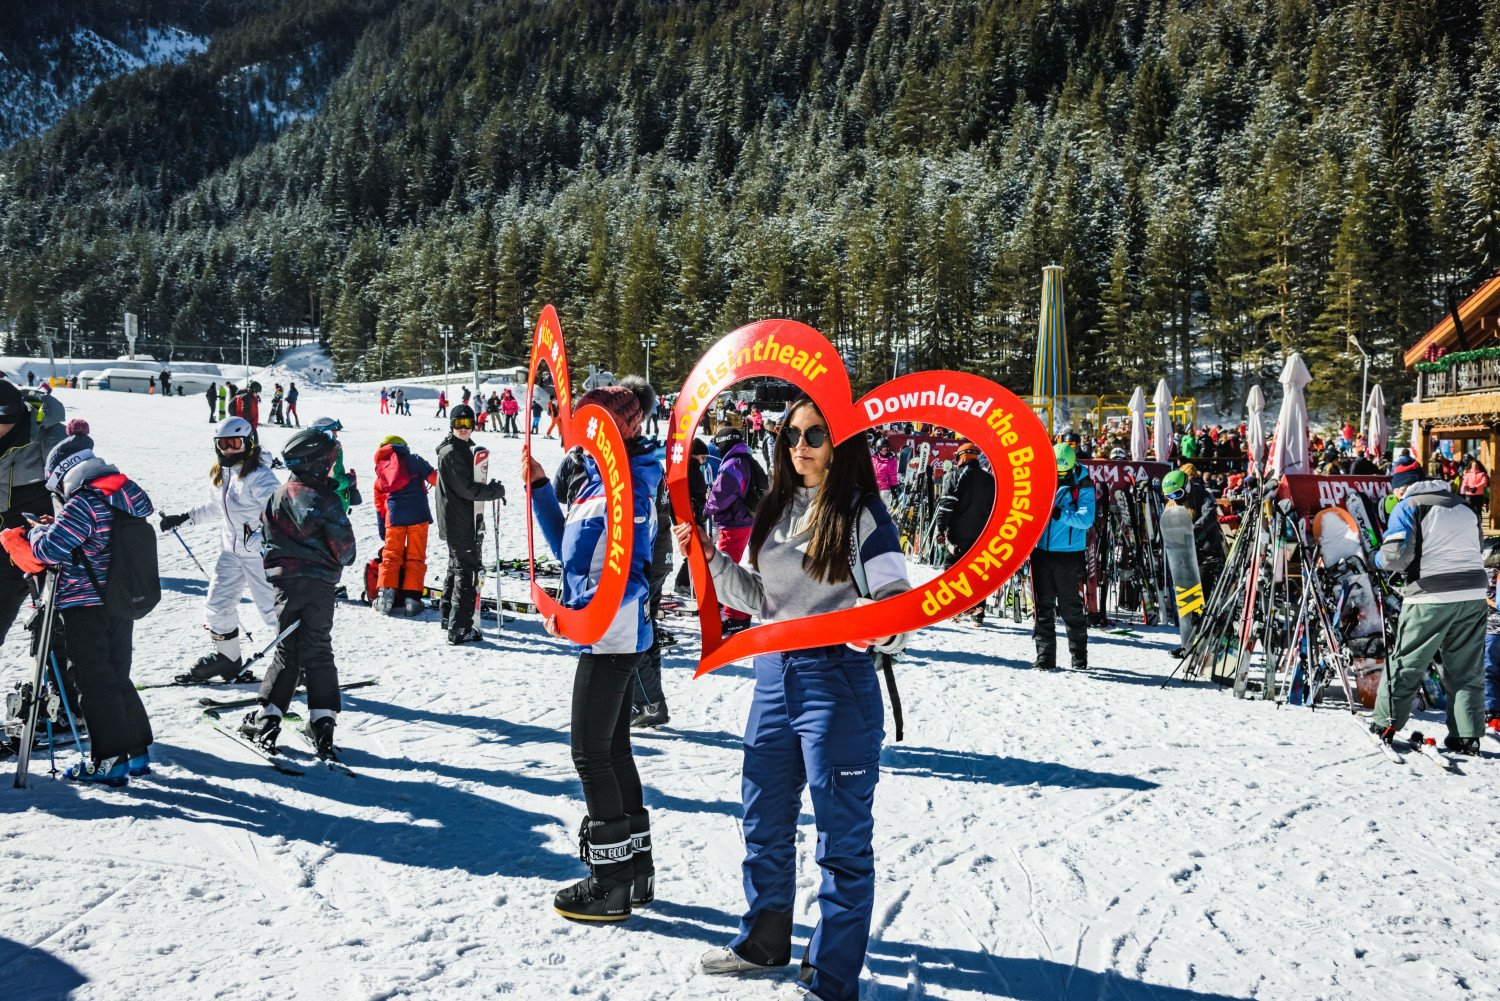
84 525
887 475
726 496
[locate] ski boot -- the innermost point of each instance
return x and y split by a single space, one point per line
385 602
262 727
414 605
320 732
728 627
112 772
1462 745
139 763
653 714
212 667
1386 734
457 637
603 895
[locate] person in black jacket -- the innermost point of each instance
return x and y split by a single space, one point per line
458 522
698 496
964 507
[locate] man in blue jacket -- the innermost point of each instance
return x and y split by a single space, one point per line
1058 564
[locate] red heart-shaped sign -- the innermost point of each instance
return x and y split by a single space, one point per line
596 430
1004 428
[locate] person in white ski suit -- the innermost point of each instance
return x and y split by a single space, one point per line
242 483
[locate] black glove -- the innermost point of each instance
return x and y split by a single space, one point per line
171 521
497 483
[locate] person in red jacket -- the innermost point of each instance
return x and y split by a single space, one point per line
402 479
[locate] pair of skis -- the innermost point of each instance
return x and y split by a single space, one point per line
274 756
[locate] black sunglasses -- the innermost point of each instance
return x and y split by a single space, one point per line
816 436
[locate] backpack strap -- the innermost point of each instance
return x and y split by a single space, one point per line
885 661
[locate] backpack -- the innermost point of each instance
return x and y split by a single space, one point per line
758 486
134 587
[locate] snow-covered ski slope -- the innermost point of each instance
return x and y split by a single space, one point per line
1038 837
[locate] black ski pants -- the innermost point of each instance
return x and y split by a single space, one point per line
1057 579
13 591
601 734
99 645
307 654
460 587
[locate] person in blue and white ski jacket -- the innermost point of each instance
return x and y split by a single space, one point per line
1058 564
240 483
1433 540
615 838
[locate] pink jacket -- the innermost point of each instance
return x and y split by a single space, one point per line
509 406
1474 483
886 473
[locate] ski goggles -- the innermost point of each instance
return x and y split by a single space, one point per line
234 444
815 436
462 423
971 450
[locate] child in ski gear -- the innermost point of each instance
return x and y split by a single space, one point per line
401 513
442 410
1433 540
30 427
1058 564
510 407
458 523
615 838
94 495
291 405
308 543
241 484
816 719
728 506
887 472
968 497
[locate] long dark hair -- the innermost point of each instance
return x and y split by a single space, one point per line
835 510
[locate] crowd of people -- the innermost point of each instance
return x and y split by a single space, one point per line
806 532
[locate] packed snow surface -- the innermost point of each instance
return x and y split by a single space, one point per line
1038 836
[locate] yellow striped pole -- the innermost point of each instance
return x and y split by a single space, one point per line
1050 376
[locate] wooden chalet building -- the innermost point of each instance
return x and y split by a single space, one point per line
1458 386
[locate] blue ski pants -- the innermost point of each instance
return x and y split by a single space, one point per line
1491 673
817 722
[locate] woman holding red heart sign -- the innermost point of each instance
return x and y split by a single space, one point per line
615 838
817 719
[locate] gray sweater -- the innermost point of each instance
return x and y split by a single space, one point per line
783 590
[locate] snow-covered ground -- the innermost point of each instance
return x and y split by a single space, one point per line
1038 837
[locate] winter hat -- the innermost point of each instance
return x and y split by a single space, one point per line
622 403
1404 474
72 451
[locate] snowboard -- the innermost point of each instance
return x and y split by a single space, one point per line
1093 547
1182 567
1357 615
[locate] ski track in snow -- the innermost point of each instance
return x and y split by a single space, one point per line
1054 836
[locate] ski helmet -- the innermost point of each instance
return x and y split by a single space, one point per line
233 427
328 425
1066 457
1118 454
727 438
310 453
1174 484
461 412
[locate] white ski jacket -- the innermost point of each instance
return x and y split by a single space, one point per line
237 502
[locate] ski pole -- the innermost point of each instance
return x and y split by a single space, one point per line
272 645
189 552
499 604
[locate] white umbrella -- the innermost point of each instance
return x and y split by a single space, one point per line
1379 431
1163 429
1290 452
1255 428
1138 444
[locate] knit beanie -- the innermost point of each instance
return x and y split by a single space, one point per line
1405 473
72 451
622 403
